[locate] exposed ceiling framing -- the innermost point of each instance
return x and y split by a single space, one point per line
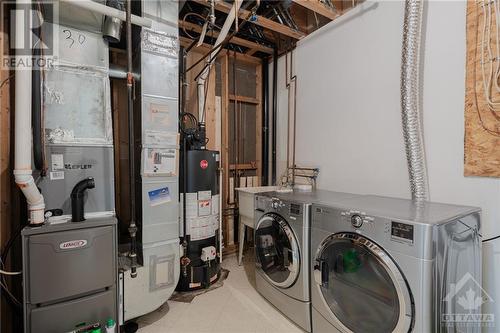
275 24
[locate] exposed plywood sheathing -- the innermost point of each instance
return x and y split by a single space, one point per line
482 120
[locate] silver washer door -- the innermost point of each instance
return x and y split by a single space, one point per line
277 251
362 286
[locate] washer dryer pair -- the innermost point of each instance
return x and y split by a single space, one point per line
393 265
282 249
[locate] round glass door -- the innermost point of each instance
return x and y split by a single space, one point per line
277 252
362 286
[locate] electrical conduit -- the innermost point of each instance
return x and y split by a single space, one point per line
410 100
23 140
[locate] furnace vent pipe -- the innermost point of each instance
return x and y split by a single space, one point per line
109 11
22 135
410 100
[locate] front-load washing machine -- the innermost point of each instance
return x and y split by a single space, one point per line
393 265
282 250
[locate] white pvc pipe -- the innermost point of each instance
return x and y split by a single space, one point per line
109 11
231 16
22 136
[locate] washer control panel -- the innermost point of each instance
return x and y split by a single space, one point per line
358 219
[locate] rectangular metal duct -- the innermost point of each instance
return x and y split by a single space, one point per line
156 109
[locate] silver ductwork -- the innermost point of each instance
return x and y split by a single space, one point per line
410 99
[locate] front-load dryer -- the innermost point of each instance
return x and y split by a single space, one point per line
393 265
282 250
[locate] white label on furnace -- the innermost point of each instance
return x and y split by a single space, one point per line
57 162
56 175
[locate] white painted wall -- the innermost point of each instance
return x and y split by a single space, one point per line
348 107
349 121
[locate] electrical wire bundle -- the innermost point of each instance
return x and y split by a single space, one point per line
3 282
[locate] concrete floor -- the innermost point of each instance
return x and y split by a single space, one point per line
234 307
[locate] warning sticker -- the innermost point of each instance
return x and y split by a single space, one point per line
160 161
159 196
204 207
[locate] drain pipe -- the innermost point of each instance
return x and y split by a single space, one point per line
23 140
410 100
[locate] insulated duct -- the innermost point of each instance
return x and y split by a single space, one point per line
410 100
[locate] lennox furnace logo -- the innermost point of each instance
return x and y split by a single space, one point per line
74 244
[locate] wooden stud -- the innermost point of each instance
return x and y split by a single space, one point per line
210 113
260 21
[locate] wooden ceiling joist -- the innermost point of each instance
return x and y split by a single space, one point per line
260 21
185 42
319 8
235 40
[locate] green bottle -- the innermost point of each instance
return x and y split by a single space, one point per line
110 326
